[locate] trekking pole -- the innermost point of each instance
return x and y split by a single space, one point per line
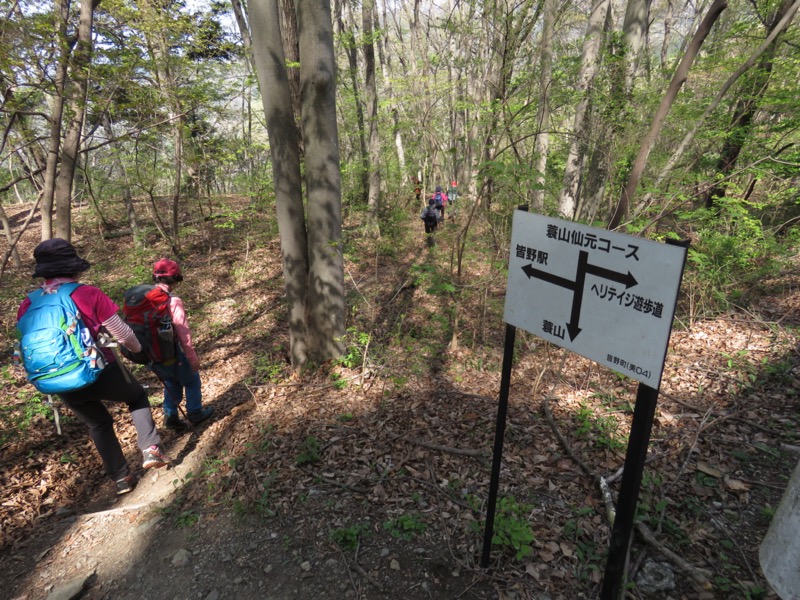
106 341
103 341
54 408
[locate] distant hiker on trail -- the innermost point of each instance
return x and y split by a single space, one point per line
452 192
452 195
180 373
430 217
440 200
417 190
59 324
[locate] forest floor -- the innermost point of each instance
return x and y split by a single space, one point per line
367 479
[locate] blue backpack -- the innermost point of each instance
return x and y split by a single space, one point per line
55 347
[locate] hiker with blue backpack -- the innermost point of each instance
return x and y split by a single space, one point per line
180 373
440 200
59 325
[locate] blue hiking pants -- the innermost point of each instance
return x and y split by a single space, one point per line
178 379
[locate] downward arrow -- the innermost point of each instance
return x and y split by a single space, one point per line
577 297
573 331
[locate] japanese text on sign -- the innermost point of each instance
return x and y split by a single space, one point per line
531 254
623 298
592 241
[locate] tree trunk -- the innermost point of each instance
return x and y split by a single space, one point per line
284 143
13 243
371 93
387 67
698 10
667 37
31 155
746 66
634 29
326 307
601 123
177 135
348 41
159 49
614 112
291 52
244 31
567 202
9 237
542 144
78 88
56 117
126 190
681 73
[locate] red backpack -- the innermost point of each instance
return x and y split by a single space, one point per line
146 310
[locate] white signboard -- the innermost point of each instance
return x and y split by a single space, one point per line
604 295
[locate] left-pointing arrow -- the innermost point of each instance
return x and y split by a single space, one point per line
548 277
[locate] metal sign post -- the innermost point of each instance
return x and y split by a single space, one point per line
499 436
500 432
642 424
635 457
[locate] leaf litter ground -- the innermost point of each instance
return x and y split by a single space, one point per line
368 479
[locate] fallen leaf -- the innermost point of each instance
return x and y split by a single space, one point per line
704 467
736 485
552 547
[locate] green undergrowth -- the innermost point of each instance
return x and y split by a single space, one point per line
733 254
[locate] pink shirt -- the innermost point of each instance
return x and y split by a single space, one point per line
180 323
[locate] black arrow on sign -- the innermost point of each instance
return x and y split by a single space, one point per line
573 328
577 296
628 279
548 277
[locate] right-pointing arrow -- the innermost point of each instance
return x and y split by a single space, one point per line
627 278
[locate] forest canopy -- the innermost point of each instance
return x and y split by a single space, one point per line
560 106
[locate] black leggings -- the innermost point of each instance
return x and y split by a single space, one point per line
87 404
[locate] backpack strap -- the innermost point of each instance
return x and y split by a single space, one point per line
68 287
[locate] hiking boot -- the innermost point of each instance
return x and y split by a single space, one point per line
125 485
195 418
175 422
155 457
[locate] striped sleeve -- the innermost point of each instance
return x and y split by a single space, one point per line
122 333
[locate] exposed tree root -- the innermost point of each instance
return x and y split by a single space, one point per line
699 576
